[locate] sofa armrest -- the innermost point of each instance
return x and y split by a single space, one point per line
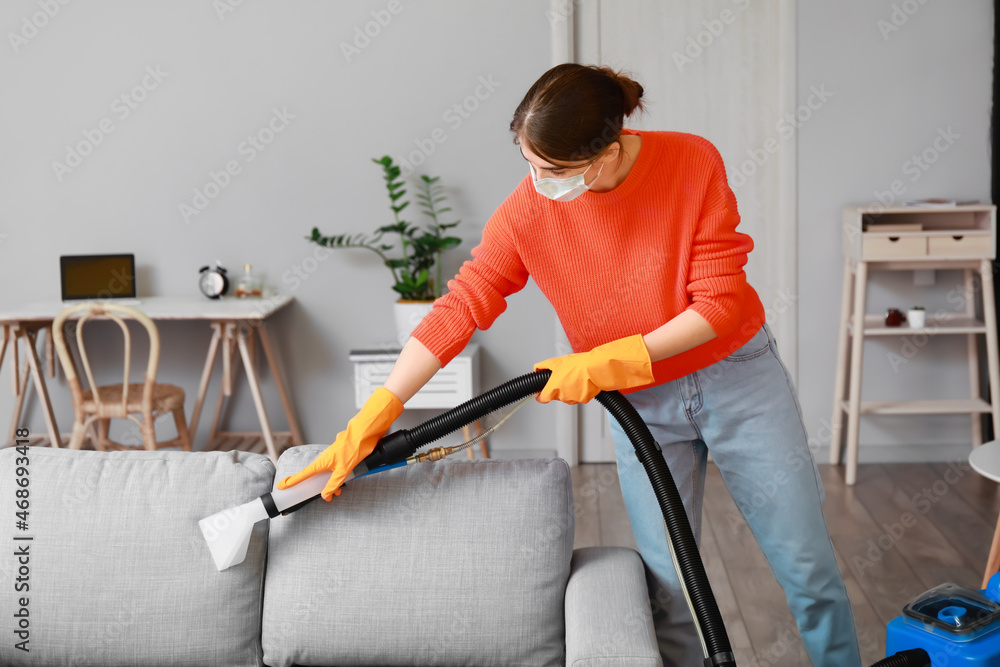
608 618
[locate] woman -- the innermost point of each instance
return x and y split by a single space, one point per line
632 238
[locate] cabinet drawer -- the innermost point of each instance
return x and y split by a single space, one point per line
958 245
449 387
874 247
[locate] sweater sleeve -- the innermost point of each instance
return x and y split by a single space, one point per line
477 295
716 279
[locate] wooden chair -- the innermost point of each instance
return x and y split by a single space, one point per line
120 401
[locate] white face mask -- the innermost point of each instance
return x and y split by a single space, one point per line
563 189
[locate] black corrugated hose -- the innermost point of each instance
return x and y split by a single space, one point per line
391 448
916 657
401 444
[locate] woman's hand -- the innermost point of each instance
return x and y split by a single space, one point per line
577 378
353 444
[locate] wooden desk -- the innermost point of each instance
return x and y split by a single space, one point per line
235 323
451 386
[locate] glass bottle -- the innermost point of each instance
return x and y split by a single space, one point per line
248 285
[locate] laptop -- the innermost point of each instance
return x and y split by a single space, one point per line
97 278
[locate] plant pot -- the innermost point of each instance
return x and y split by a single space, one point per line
408 315
916 318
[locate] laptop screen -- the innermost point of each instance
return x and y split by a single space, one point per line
97 276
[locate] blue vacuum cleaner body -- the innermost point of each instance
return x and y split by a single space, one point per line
956 626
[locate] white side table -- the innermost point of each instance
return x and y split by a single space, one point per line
451 386
985 459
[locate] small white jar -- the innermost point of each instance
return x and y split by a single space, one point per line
917 318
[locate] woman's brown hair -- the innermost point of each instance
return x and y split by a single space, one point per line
573 112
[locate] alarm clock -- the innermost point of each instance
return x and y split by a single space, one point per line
212 281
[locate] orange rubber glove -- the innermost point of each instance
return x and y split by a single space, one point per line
353 444
577 378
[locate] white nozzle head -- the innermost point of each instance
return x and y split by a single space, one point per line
228 532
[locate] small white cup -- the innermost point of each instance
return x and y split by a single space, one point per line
916 318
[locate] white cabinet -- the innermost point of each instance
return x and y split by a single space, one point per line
451 386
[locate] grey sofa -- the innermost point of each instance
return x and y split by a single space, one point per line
466 563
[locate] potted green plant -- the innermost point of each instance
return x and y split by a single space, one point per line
415 264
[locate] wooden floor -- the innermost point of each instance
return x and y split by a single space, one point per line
902 529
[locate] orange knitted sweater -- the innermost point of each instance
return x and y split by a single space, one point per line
616 263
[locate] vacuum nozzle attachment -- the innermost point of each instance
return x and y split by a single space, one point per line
228 532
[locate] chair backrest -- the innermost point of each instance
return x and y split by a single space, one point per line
116 312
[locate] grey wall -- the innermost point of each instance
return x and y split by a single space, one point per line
893 90
222 75
225 72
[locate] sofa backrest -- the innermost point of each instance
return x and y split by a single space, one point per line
116 571
432 564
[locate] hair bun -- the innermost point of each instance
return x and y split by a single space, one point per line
631 90
631 94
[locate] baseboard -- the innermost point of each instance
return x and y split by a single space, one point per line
901 453
505 454
496 453
866 454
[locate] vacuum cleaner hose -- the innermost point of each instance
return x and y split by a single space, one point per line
405 442
492 400
916 657
401 444
685 548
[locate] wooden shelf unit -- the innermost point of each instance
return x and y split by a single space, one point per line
911 238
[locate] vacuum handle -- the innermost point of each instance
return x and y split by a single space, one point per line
390 451
302 492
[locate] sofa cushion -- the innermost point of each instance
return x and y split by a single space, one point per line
118 570
431 564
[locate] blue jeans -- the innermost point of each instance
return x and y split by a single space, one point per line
744 409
